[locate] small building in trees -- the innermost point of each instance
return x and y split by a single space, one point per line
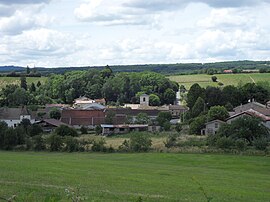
261 108
108 129
144 100
49 125
212 127
14 116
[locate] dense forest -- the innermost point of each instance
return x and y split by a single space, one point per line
179 68
116 88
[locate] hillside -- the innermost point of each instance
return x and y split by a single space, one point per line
227 79
160 68
16 80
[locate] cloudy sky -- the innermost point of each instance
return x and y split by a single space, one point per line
54 33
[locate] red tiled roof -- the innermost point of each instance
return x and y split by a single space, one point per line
253 113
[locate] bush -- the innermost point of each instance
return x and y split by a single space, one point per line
260 144
98 130
99 145
167 126
35 130
72 144
140 142
241 144
224 143
171 141
64 130
83 130
38 143
178 127
214 78
55 142
124 147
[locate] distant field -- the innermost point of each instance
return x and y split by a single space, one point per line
227 79
16 80
126 177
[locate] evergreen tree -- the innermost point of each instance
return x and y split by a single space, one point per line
32 88
23 83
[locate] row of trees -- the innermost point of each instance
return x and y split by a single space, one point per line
229 96
116 88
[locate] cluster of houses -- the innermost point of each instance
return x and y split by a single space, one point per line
89 113
251 109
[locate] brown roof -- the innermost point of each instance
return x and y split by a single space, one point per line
54 122
253 113
177 107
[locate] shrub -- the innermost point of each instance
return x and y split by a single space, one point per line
167 126
225 143
35 130
83 130
140 142
197 125
241 144
178 127
99 145
214 78
72 144
66 131
38 143
260 144
124 147
55 142
98 130
171 141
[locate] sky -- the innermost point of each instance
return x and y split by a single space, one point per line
58 33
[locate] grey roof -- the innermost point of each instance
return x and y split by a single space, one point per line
13 113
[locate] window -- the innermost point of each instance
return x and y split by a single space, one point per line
216 125
144 99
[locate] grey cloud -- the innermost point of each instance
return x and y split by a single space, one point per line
159 5
9 2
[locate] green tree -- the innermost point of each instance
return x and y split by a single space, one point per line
178 127
169 96
213 96
198 108
214 78
217 112
71 144
38 84
197 125
55 142
142 118
39 143
140 142
23 83
55 113
64 130
154 100
163 117
32 88
27 70
98 130
193 94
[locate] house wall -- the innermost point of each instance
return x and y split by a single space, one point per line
15 122
212 128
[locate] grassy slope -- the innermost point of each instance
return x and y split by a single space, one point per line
227 79
125 177
16 80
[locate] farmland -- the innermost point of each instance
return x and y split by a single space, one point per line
128 177
227 79
16 80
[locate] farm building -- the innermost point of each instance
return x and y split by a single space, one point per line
49 125
14 116
122 129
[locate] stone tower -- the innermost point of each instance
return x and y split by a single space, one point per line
144 100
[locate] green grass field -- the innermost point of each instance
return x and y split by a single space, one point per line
227 79
126 177
16 80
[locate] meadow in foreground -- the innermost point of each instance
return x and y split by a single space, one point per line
135 177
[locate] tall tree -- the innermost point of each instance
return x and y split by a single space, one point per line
23 83
194 92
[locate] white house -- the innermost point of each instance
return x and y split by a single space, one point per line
13 116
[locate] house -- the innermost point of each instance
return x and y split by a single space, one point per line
123 115
49 125
228 71
122 129
177 110
13 116
87 118
263 109
251 113
82 101
212 127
